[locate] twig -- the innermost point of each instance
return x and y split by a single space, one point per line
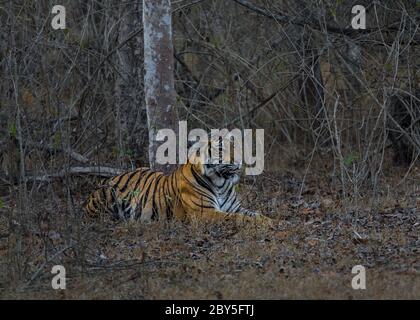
264 101
35 275
92 170
281 17
76 156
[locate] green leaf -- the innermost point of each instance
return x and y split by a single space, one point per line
129 152
57 140
12 130
350 159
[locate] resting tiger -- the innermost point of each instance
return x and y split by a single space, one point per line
194 191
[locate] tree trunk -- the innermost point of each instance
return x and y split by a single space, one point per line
130 111
159 76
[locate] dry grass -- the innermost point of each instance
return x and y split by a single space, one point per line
318 240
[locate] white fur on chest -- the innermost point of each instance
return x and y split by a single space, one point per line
226 198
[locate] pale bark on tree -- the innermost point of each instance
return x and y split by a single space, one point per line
159 76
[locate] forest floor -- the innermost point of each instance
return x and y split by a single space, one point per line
310 254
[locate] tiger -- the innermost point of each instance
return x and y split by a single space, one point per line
198 190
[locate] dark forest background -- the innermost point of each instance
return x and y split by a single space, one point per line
341 113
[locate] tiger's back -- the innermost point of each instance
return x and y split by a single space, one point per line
140 194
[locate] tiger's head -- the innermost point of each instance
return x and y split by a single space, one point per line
215 160
220 173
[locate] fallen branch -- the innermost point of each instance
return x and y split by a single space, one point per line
92 170
76 156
